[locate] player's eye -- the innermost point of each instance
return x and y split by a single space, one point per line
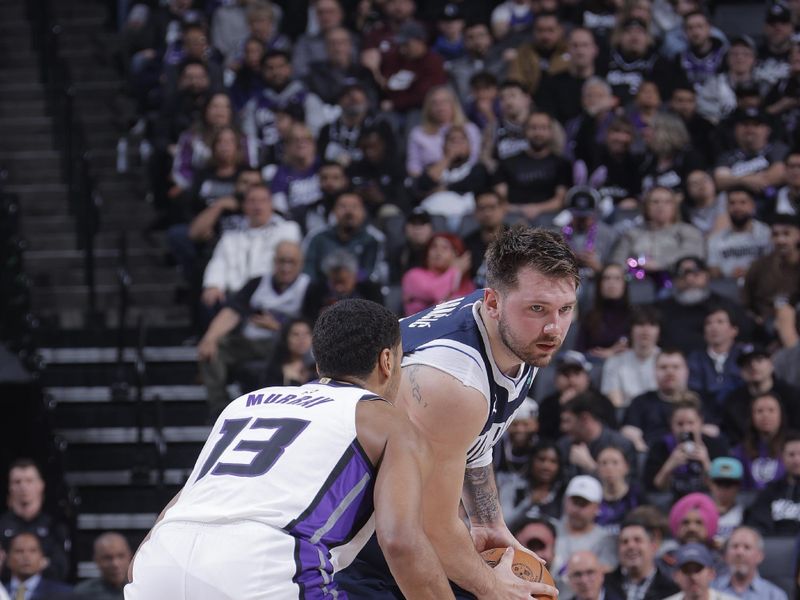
537 308
565 309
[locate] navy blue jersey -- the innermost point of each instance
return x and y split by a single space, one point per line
452 337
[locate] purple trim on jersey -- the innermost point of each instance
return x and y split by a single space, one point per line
341 508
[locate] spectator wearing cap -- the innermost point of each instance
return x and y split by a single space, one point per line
350 232
560 93
634 58
544 56
748 97
679 461
632 372
732 249
572 378
773 54
409 71
577 530
449 40
694 574
744 552
774 280
341 269
647 418
588 236
781 102
788 200
444 276
776 508
490 214
585 436
515 450
725 483
760 448
417 233
754 162
694 519
480 56
440 112
683 313
382 38
330 75
312 47
536 181
758 375
604 326
638 575
506 137
713 371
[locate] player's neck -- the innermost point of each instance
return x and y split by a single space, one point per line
505 360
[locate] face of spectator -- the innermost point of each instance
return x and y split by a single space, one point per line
741 208
329 14
194 79
698 31
611 465
637 550
195 43
418 234
778 33
634 41
690 276
572 378
441 255
225 148
399 10
456 144
489 211
298 339
218 111
112 556
692 528
514 103
694 580
791 458
261 27
648 96
585 575
545 465
451 29
719 331
785 239
582 49
25 556
661 207
277 72
612 283
342 281
288 263
521 431
253 52
339 46
683 103
751 136
440 108
793 170
477 40
332 180
595 98
580 513
25 491
757 370
672 374
700 186
684 7
741 60
743 552
413 49
300 145
349 212
618 141
568 424
766 414
373 147
645 335
246 180
686 420
538 538
547 33
539 131
258 206
724 491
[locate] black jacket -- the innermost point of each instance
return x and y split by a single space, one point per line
660 587
776 509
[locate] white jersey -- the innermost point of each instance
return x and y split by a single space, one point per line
287 458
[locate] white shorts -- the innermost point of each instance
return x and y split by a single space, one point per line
194 561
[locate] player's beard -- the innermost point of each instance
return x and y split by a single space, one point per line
527 353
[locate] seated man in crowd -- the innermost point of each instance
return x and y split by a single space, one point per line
725 482
694 574
776 509
26 514
585 577
743 553
27 563
112 555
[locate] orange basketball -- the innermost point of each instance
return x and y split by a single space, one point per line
524 566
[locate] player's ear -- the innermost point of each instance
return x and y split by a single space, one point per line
491 301
386 362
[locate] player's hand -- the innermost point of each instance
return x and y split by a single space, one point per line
486 538
509 586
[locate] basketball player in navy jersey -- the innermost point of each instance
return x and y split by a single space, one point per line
282 494
468 365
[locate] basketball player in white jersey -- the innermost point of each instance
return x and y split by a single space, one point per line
468 365
282 494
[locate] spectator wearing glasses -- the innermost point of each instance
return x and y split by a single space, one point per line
744 552
694 574
585 577
725 482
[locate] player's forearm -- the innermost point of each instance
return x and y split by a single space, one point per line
415 566
480 497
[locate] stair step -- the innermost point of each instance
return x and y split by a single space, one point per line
100 355
45 260
122 414
34 124
121 456
129 435
103 276
123 477
107 296
97 394
115 521
40 174
25 141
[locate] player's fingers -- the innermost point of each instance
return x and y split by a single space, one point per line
507 558
541 589
532 553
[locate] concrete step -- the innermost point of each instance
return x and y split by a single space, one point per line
35 174
108 355
102 394
76 296
26 141
46 260
36 124
22 108
106 239
75 275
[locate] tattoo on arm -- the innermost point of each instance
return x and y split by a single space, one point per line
480 496
415 389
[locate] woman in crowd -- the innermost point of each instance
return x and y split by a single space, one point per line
704 207
543 494
440 111
760 450
444 276
292 363
669 158
619 496
604 327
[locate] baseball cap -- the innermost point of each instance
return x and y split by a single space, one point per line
529 409
572 358
785 219
582 201
743 40
634 22
586 487
725 467
694 553
749 352
778 12
451 12
411 31
752 113
419 216
747 89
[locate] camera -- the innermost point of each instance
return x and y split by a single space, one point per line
687 440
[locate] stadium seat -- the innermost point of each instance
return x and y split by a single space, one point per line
779 564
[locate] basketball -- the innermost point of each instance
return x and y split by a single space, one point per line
524 566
